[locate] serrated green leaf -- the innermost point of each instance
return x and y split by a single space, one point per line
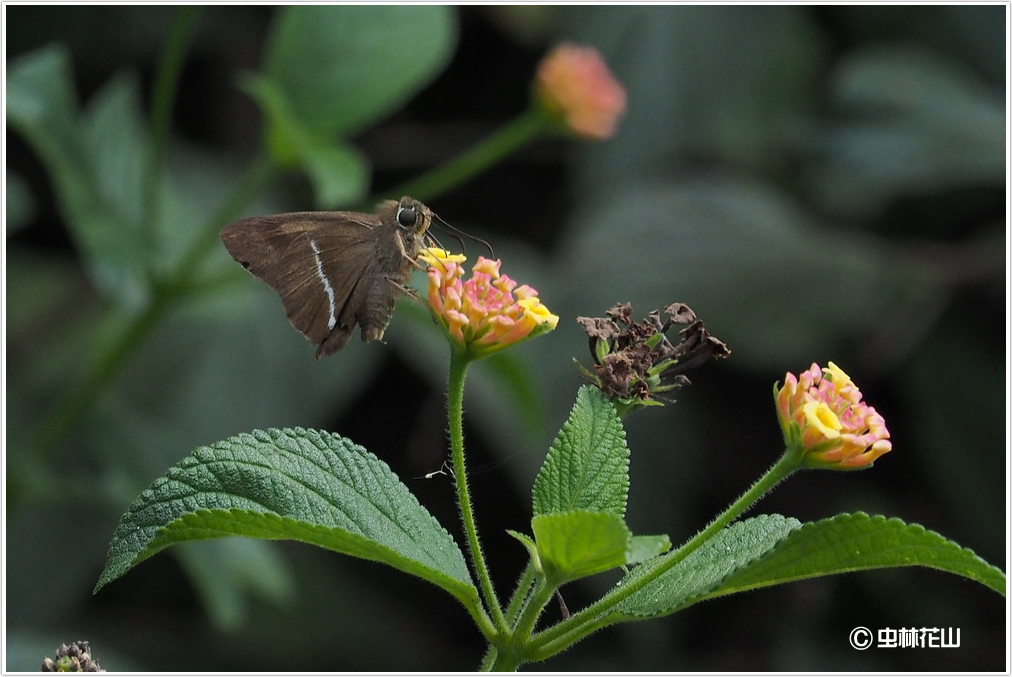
705 568
294 484
587 467
343 67
580 543
858 542
769 550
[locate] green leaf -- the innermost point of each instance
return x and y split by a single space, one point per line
20 202
40 95
704 569
528 543
858 542
331 71
294 484
580 543
342 68
587 467
643 548
226 569
754 235
340 174
770 549
96 160
915 123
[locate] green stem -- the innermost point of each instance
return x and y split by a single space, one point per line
562 635
505 141
540 598
108 364
521 594
163 96
459 361
518 602
257 176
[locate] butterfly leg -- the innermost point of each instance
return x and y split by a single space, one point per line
403 289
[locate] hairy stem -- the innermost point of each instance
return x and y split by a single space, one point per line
459 361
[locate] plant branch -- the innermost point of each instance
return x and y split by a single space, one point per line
503 142
164 296
163 97
579 625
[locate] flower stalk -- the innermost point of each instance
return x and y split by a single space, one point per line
459 361
573 93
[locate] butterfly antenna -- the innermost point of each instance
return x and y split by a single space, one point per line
458 233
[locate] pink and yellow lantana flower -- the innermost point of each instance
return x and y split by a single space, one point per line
487 312
574 85
823 415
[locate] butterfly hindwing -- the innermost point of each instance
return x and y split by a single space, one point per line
334 270
313 260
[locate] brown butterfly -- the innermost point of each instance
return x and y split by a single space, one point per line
334 270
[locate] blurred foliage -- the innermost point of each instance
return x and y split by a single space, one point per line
816 182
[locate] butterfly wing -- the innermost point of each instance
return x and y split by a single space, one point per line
317 262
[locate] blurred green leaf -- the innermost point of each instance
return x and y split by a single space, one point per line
294 485
331 71
40 96
714 104
340 174
342 68
96 161
224 570
53 317
643 548
20 202
761 272
909 122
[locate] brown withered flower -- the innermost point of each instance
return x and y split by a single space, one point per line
75 657
635 361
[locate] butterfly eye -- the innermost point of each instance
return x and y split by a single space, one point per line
406 217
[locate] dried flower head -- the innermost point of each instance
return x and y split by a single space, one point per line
75 657
635 361
574 85
823 416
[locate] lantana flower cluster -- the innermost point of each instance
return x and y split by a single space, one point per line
487 312
574 85
823 412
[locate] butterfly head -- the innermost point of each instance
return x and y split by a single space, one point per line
412 216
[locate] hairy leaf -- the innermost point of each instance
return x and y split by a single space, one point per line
294 484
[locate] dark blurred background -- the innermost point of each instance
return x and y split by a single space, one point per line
817 183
